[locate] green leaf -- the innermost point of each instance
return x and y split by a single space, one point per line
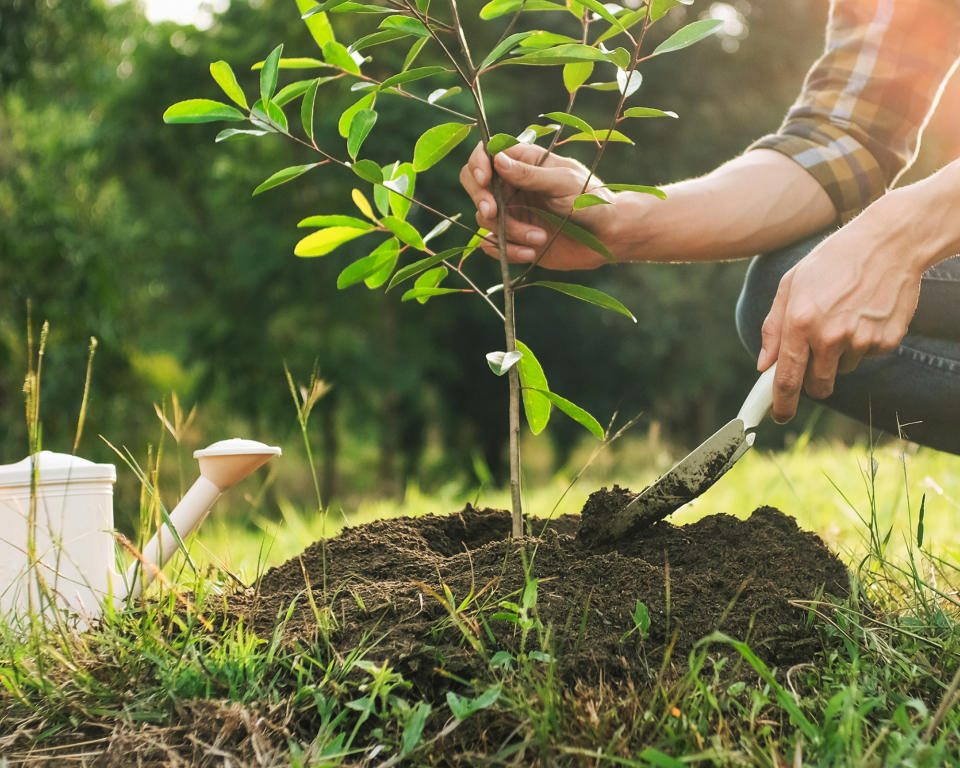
462 707
567 53
362 269
412 74
229 133
442 93
648 112
405 273
269 115
600 136
317 23
660 7
688 35
429 281
572 120
404 231
501 362
282 177
625 22
659 759
422 295
601 11
378 278
539 131
290 92
499 142
335 220
534 382
578 233
504 46
543 39
327 5
656 192
497 8
223 74
360 128
437 142
588 200
269 74
200 111
326 240
368 171
346 118
403 180
297 62
405 24
337 55
575 75
590 295
307 108
413 727
377 38
414 52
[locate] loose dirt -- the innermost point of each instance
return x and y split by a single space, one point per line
390 584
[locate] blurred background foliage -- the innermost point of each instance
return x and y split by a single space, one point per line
145 236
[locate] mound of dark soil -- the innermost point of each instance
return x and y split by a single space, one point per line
385 580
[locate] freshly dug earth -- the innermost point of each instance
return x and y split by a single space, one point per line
385 582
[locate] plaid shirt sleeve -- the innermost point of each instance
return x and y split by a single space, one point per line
856 124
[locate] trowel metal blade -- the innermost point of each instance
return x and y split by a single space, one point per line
685 481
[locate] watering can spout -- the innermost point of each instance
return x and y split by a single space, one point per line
222 465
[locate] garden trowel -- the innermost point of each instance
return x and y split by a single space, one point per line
698 471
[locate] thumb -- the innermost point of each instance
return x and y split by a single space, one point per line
552 181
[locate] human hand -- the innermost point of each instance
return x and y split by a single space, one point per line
852 297
552 186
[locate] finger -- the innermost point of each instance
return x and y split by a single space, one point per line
533 154
518 232
479 193
551 181
479 165
821 373
516 254
773 326
848 362
791 369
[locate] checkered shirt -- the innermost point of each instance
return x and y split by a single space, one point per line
857 122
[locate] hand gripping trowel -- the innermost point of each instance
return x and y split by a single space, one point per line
694 474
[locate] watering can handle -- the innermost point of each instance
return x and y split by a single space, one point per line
758 402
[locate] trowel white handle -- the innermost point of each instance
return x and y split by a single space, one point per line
758 402
189 513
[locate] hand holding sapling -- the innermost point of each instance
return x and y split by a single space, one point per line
537 180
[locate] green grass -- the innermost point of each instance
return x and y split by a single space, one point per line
882 693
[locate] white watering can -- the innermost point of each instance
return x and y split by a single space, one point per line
68 526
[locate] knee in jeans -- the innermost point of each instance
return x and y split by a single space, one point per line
756 297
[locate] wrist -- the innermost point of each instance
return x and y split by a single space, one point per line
924 217
631 227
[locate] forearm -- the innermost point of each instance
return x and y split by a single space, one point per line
757 202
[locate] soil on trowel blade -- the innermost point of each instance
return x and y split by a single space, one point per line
385 580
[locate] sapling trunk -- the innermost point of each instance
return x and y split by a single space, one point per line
509 325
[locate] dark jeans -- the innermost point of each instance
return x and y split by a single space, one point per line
917 386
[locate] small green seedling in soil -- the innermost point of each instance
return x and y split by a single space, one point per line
594 45
641 621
